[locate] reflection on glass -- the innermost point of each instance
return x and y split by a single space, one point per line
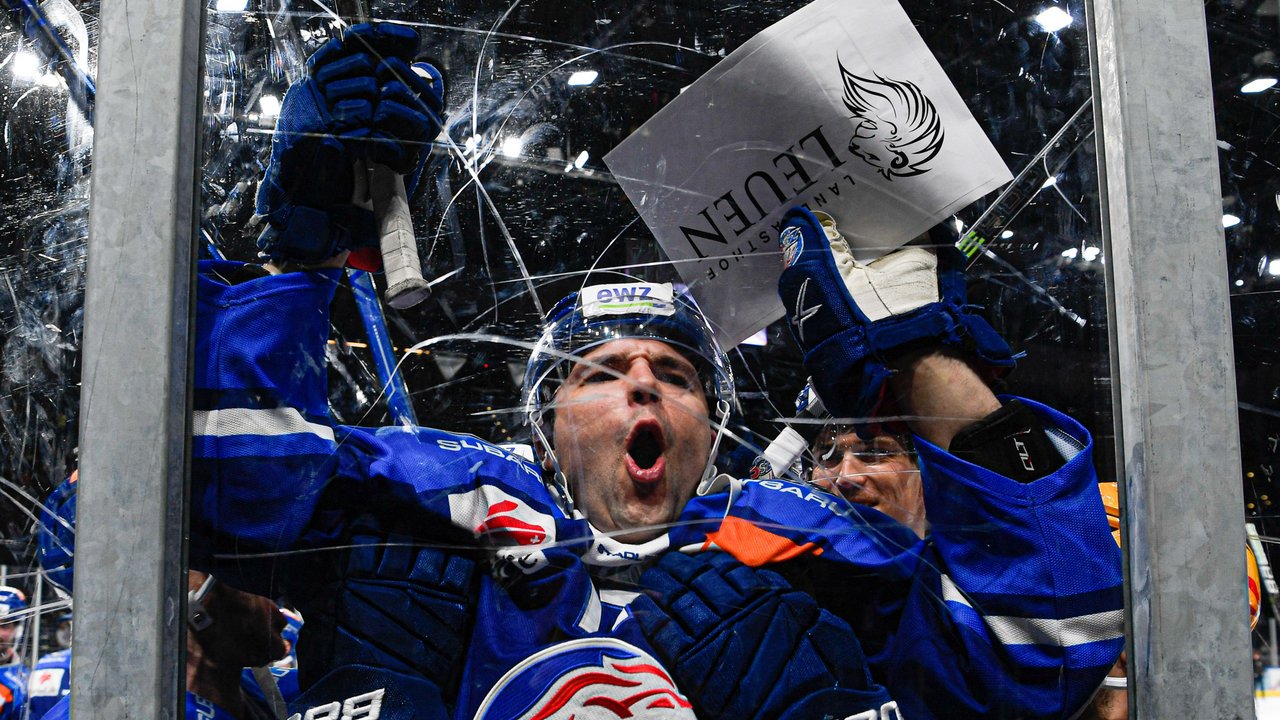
613 522
47 58
1242 54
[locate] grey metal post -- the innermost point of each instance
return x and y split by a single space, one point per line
1189 652
128 588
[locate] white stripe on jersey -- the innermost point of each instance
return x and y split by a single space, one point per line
1067 632
246 421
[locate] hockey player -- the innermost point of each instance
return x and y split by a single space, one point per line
622 576
13 673
50 681
878 472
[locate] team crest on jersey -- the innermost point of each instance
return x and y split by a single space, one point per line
898 129
586 679
505 520
791 241
45 682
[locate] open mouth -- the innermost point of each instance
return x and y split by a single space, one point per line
644 452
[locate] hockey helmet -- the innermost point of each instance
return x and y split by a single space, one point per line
599 314
12 604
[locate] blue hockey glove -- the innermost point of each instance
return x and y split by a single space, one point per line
851 320
361 101
391 614
742 643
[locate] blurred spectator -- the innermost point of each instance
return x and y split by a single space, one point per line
62 631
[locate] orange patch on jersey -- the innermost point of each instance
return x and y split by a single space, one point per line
755 546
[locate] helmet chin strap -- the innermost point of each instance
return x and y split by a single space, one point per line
558 482
709 472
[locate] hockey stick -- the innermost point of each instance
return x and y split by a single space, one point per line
1019 193
400 262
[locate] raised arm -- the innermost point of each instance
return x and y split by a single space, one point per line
1015 609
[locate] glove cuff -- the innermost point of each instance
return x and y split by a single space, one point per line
850 369
308 235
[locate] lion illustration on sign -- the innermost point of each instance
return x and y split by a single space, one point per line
898 130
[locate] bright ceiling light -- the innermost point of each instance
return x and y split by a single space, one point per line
1053 19
1006 234
1273 267
512 147
26 66
1239 283
232 5
1257 85
270 105
583 77
1230 221
1070 253
1091 253
581 160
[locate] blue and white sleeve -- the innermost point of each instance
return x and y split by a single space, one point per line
263 446
1020 589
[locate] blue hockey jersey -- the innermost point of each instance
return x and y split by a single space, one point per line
1010 608
50 681
13 691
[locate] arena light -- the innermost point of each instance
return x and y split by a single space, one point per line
1257 85
1230 221
581 160
512 147
270 106
583 78
1273 267
1071 253
1053 18
228 6
1006 234
26 66
1091 253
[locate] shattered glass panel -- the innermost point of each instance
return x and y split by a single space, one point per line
437 570
48 52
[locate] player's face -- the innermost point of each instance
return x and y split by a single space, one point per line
633 442
878 473
8 633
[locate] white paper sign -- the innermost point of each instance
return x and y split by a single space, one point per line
840 107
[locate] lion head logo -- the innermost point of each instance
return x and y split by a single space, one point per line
898 130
